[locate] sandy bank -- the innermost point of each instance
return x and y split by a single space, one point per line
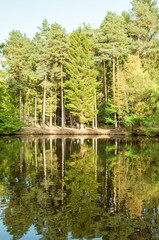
68 131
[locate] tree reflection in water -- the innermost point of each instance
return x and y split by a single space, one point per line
84 188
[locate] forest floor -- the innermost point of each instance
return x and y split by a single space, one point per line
68 131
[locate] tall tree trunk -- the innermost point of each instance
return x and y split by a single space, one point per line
35 113
44 102
50 119
28 113
24 111
118 79
93 123
62 104
31 113
70 120
95 110
105 84
115 119
115 115
51 111
113 77
55 119
20 105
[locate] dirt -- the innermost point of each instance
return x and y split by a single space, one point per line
68 131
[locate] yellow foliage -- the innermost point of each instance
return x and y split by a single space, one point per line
136 89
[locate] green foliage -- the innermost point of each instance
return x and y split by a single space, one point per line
9 120
17 53
132 120
80 87
9 115
116 42
112 71
138 95
105 114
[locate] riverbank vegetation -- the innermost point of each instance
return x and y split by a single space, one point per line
98 77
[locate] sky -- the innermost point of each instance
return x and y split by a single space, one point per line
27 15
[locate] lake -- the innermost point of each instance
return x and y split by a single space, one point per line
79 188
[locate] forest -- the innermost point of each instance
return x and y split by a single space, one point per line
106 77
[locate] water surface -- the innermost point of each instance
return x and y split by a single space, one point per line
79 188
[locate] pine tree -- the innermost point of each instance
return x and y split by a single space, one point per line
58 44
101 55
17 53
143 27
42 57
114 43
81 83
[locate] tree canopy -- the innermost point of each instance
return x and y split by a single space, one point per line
109 73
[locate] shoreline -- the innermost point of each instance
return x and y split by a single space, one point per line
68 131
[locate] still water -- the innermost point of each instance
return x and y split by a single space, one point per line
79 188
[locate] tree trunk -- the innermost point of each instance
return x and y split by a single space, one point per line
93 123
81 127
35 113
95 110
50 119
28 113
115 119
44 100
115 115
113 78
51 110
70 120
118 79
55 119
62 105
20 105
105 84
24 111
31 113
